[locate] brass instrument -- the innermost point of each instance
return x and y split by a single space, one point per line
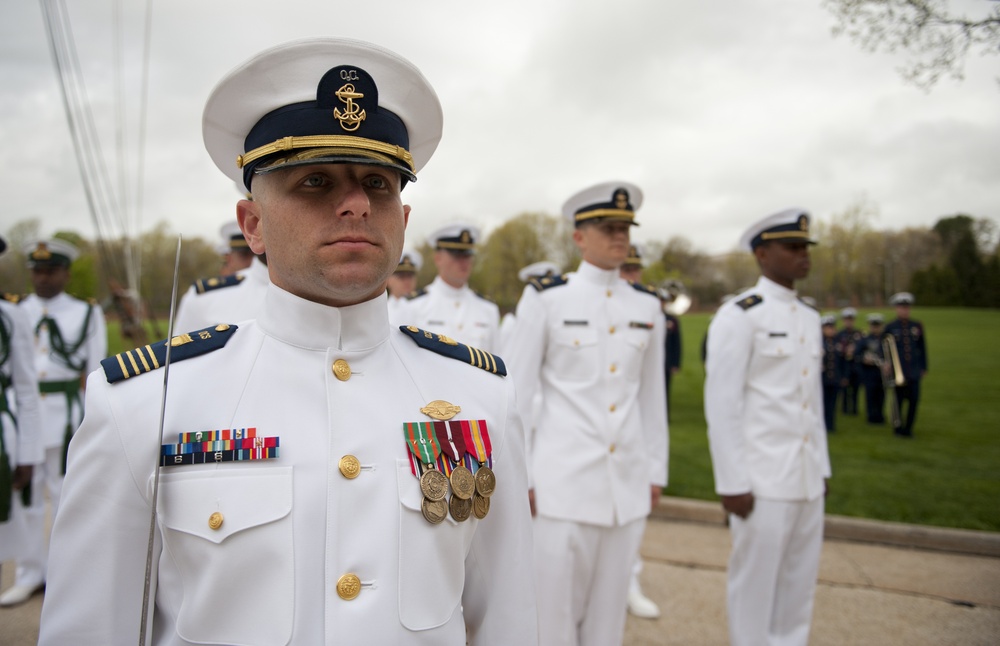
675 297
892 376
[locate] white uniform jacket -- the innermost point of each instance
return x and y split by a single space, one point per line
70 314
240 302
763 399
461 314
593 347
23 441
292 526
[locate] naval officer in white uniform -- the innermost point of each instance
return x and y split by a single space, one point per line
403 282
70 338
593 346
448 306
230 298
289 509
764 407
20 424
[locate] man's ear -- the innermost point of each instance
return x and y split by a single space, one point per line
248 217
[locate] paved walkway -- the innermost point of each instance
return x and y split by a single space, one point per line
882 592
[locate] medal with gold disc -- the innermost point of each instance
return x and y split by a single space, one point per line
477 438
424 446
449 436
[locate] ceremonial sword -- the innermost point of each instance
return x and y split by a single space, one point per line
159 438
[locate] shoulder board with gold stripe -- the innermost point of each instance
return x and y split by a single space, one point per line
546 282
645 289
750 301
416 294
451 348
203 285
150 357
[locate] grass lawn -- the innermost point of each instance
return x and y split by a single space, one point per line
948 475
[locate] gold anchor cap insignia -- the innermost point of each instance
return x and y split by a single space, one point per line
441 410
803 223
621 199
352 116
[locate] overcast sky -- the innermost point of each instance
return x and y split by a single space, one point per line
721 112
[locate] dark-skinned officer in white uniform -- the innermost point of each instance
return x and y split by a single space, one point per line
326 478
21 445
592 344
764 407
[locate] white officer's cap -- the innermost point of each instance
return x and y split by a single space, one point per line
875 319
51 253
410 261
232 236
322 100
607 201
459 237
902 298
828 319
790 225
636 253
848 313
538 270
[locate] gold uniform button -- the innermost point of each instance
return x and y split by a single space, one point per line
612 408
613 368
612 330
609 293
215 520
611 449
341 370
221 327
348 586
349 467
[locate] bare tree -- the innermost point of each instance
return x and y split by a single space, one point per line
937 38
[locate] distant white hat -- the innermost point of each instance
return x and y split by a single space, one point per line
790 225
232 236
828 319
636 253
902 298
608 201
848 313
875 318
459 237
322 100
409 261
51 253
538 269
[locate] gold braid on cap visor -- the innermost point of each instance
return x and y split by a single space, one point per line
604 213
321 145
779 235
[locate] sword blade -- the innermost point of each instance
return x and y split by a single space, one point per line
156 473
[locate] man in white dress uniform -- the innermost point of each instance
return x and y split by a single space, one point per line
227 298
21 446
597 452
448 306
325 478
403 283
764 407
70 338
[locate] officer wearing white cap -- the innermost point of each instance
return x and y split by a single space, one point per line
764 408
237 254
911 348
447 306
593 346
325 477
70 340
631 269
21 445
847 339
869 355
234 297
403 282
543 270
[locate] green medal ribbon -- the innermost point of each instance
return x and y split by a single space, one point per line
422 442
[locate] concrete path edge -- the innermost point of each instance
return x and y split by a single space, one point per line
943 539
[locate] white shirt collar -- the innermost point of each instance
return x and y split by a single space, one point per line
307 324
594 274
